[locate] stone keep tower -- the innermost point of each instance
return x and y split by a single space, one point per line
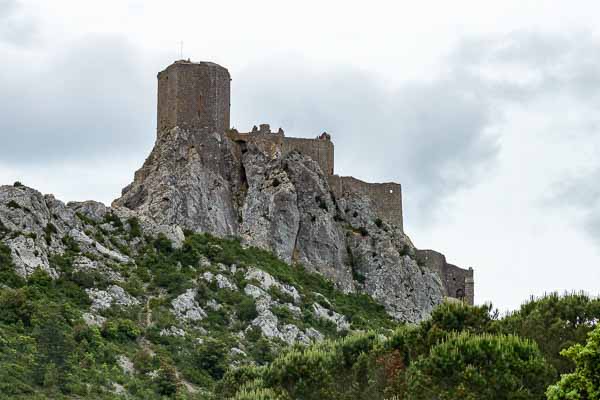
194 96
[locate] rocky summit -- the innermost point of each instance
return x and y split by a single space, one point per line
273 192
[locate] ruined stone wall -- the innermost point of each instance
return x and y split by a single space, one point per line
458 282
320 150
386 197
194 96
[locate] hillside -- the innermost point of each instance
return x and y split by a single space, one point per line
128 311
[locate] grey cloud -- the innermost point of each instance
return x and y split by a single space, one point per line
431 137
535 64
547 67
92 99
579 193
434 137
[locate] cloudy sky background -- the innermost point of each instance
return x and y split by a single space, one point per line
486 112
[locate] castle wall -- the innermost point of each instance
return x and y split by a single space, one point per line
458 282
387 197
194 96
319 150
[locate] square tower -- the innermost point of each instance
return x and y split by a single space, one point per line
194 96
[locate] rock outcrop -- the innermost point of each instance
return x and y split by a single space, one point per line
283 203
274 192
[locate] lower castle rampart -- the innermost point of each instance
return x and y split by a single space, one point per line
386 197
457 282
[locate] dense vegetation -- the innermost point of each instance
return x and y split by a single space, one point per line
47 350
460 353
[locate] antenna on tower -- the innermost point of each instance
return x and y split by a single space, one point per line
181 50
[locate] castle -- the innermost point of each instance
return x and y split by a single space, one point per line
196 96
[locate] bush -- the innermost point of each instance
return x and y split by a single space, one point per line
17 184
70 244
584 382
13 204
363 231
211 356
49 230
135 229
247 309
121 330
556 323
482 367
114 220
8 276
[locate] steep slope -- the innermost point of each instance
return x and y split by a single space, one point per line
100 301
282 202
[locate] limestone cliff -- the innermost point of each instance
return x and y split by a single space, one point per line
283 202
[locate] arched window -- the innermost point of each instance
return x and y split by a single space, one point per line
460 294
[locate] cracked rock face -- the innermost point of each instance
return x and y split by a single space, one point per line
35 226
113 296
177 186
282 203
186 308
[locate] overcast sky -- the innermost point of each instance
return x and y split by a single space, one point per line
487 112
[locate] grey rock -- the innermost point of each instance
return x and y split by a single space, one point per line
126 364
186 308
340 321
93 319
113 296
178 185
267 281
172 331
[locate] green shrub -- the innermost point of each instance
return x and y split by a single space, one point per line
363 231
584 382
85 219
556 323
114 220
211 356
70 244
247 309
14 205
482 367
8 276
121 330
135 229
49 230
